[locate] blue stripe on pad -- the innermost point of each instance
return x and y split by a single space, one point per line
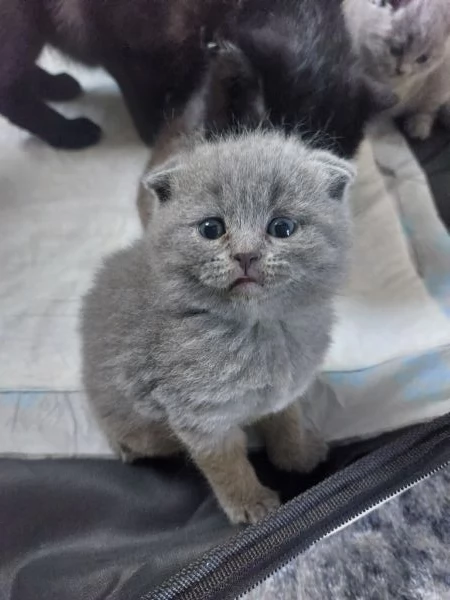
422 378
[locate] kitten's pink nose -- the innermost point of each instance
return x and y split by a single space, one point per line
245 259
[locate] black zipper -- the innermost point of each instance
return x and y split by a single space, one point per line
254 554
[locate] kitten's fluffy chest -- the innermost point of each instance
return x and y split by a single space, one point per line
236 373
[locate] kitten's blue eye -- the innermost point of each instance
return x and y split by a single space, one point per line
422 59
212 229
281 227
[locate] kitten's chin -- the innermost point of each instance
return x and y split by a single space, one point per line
246 288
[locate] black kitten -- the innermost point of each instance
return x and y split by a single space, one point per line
157 52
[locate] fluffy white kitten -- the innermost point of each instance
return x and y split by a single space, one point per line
406 44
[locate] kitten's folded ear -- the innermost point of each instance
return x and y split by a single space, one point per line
159 180
338 173
156 189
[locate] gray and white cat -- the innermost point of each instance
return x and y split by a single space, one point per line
219 317
406 44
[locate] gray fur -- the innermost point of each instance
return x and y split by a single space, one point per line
415 29
169 350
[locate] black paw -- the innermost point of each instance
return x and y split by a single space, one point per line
76 134
61 88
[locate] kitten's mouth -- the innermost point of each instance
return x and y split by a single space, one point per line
244 282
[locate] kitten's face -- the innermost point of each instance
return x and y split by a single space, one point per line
254 217
412 53
413 45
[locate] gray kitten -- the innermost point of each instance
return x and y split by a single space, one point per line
406 44
219 317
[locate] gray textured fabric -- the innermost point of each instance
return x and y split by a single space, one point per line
401 551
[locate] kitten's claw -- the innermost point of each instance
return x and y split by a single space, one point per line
252 510
419 126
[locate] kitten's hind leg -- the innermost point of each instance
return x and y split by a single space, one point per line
55 88
290 446
234 482
419 125
149 441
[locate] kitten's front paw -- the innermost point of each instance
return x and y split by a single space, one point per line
419 126
251 510
301 454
